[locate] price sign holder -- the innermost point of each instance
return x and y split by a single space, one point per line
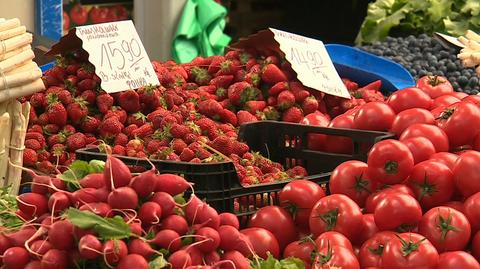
115 50
308 58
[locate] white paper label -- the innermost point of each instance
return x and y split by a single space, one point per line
118 55
311 62
451 39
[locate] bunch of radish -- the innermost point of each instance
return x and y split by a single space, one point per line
117 220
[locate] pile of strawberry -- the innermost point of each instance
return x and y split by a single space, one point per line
191 117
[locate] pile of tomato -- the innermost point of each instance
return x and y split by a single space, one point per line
415 202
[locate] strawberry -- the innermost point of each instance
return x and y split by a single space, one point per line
46 167
117 112
162 122
38 100
228 67
254 106
187 155
130 101
119 150
369 95
271 74
72 69
90 124
351 86
110 127
65 97
200 75
133 147
136 118
172 157
90 139
50 129
121 139
89 96
36 136
245 117
87 85
104 102
299 91
143 131
207 126
57 114
310 105
272 101
58 154
29 157
297 172
226 127
33 144
35 129
215 63
76 141
159 112
271 113
293 114
154 145
150 95
229 117
278 88
33 117
285 100
85 72
42 119
222 81
223 144
241 92
195 160
202 153
77 110
58 73
272 59
253 78
348 104
178 130
43 155
240 148
210 108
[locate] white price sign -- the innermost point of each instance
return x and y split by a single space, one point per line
118 55
311 62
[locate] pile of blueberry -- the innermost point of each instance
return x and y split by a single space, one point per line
424 55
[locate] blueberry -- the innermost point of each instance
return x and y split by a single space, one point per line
473 81
462 80
422 73
451 67
455 84
475 92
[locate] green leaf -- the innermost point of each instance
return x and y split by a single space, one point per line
78 170
96 166
158 263
439 9
472 7
455 28
272 263
8 206
179 199
106 228
292 263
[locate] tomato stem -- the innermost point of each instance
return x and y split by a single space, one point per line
426 188
447 113
434 80
391 167
446 226
326 258
410 246
378 250
330 218
361 184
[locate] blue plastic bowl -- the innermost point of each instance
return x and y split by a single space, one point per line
363 68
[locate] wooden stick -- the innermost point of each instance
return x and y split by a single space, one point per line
20 78
24 90
13 32
17 141
5 128
17 60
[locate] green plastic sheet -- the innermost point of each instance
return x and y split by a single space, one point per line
200 31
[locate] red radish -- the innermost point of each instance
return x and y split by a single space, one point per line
229 237
58 202
176 223
74 257
40 183
229 219
133 261
140 247
136 228
239 261
57 184
150 213
54 259
85 196
210 239
211 258
192 207
123 198
32 204
207 215
15 258
89 247
166 201
101 209
94 180
33 265
60 235
180 259
167 239
4 244
196 255
39 248
116 173
171 184
79 233
18 238
144 184
114 250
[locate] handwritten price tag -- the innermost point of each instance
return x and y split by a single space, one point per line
311 62
118 55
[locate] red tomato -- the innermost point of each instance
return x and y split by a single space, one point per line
457 260
472 99
476 143
278 221
334 239
444 100
420 147
446 228
389 161
349 178
397 211
374 116
409 117
375 198
409 98
335 257
457 205
471 209
432 182
79 14
446 158
335 212
434 86
66 22
466 173
433 133
262 241
316 141
301 249
409 250
99 15
459 95
460 123
299 197
369 228
340 144
476 246
371 251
